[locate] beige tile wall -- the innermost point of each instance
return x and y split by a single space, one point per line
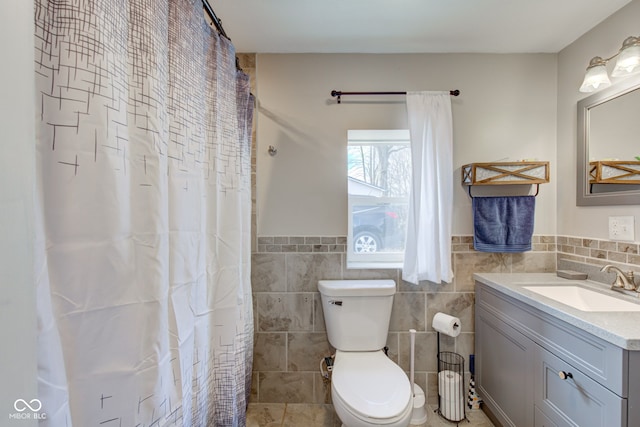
590 255
289 324
247 61
599 252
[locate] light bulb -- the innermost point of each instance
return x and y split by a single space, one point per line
596 76
628 59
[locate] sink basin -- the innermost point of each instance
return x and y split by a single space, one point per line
583 299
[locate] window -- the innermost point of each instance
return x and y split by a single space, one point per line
379 180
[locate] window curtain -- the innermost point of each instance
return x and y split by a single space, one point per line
143 208
428 246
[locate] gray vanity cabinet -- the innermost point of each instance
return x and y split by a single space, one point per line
504 377
533 369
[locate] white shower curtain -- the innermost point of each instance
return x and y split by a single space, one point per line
428 245
143 197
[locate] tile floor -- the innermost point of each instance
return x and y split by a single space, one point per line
310 415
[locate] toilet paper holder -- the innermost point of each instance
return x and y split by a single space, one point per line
451 399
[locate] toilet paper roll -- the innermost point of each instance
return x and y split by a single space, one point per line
451 395
452 410
446 324
449 385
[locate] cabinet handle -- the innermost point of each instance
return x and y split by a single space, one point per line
564 375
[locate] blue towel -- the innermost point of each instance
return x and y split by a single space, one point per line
503 224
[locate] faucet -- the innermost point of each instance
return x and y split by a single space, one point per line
624 280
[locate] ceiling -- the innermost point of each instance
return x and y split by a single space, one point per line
409 26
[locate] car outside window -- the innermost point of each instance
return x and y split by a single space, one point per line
379 178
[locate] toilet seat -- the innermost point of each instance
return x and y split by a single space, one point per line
371 386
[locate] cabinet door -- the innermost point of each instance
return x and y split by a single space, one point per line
541 420
504 374
574 399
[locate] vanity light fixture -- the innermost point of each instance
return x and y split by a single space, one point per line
628 63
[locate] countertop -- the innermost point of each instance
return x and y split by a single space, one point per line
619 328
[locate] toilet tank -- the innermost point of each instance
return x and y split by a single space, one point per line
357 312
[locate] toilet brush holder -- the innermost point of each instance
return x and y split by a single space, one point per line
419 414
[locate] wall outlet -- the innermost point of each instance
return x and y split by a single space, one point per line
621 228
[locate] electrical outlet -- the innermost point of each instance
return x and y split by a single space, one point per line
621 228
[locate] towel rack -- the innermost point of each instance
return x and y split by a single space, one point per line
505 173
536 193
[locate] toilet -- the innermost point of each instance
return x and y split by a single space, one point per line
367 388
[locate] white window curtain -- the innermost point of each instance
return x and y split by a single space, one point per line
428 246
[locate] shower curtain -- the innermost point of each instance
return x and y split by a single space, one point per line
143 210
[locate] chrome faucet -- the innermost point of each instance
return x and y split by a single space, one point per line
624 280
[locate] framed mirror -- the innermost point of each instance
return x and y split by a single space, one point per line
609 146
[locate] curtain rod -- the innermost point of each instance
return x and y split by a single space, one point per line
218 24
339 93
214 18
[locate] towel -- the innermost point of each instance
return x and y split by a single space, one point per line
503 224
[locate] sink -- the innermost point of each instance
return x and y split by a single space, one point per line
583 299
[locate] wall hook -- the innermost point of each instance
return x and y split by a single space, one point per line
272 150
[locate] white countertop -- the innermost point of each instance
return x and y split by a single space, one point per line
619 328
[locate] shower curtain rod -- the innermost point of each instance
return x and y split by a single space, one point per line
214 18
218 24
339 93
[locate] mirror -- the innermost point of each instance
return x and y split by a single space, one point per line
609 130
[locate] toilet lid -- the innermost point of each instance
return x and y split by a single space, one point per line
371 384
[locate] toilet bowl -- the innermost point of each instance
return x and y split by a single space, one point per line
369 389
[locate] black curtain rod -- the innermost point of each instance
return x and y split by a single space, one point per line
339 93
218 24
214 18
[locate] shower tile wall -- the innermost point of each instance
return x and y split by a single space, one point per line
289 323
247 61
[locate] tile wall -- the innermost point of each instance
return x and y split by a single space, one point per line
590 255
599 252
247 61
290 332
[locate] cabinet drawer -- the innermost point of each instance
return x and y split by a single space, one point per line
602 361
576 400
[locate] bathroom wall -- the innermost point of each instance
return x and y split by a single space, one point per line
583 242
506 112
290 331
18 367
590 222
512 107
247 61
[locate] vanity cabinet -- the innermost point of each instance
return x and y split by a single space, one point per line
522 356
